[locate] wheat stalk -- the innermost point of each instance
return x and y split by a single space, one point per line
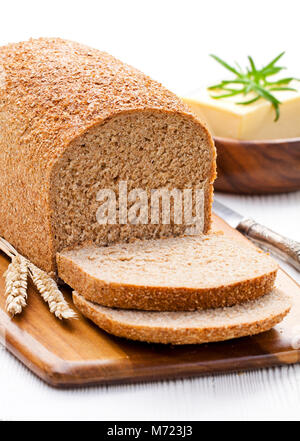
16 285
50 293
7 248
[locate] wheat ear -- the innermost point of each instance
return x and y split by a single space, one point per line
50 293
16 285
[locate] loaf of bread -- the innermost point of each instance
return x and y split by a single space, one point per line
189 327
74 120
175 274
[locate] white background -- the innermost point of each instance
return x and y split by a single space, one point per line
169 40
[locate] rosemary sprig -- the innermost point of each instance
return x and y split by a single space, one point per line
253 80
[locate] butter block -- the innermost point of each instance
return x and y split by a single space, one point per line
255 121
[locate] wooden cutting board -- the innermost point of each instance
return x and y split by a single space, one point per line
79 353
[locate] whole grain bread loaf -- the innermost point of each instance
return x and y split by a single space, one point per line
174 274
189 327
74 120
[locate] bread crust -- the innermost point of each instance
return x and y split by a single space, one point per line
152 298
103 318
51 92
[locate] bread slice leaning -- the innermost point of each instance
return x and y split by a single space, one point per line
189 327
179 274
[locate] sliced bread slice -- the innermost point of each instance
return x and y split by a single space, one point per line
189 327
178 274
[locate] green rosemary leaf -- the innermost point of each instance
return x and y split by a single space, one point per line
276 106
269 97
265 94
252 64
281 81
273 62
272 71
226 65
219 86
282 88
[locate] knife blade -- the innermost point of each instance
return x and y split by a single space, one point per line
267 239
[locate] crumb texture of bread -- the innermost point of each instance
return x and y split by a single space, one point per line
74 120
195 327
183 273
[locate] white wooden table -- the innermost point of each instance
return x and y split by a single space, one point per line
264 394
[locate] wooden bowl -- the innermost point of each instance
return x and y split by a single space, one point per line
258 167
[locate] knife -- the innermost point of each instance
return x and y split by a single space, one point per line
282 247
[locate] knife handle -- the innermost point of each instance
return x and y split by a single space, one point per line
286 249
